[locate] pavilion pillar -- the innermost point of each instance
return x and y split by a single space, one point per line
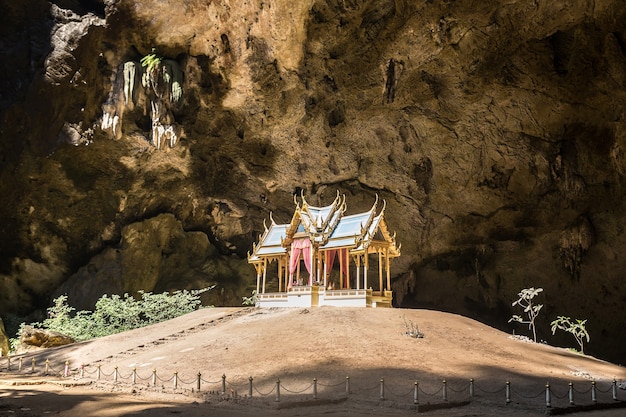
325 268
258 278
365 264
288 272
280 278
318 261
358 272
380 271
387 268
313 264
347 268
341 267
264 273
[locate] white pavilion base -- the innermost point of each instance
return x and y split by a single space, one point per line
316 296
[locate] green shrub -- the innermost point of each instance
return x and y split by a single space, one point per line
114 314
249 301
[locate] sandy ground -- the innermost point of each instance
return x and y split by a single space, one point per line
364 351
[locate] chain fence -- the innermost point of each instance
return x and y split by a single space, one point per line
588 394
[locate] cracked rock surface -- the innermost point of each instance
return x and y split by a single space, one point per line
492 129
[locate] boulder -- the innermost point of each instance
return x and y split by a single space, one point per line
4 340
33 337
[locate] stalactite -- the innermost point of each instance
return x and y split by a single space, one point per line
574 242
173 77
131 71
162 82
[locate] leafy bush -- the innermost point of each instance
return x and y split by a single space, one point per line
577 329
114 314
249 301
525 301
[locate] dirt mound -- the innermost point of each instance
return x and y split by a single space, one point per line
355 350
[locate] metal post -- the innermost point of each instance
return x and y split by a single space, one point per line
32 365
47 367
315 388
66 371
277 390
444 390
508 392
224 384
82 370
198 382
250 387
570 393
548 403
415 395
382 389
347 385
614 389
115 374
471 388
175 379
99 372
154 377
593 392
134 376
20 365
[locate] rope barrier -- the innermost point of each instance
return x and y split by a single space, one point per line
498 391
367 389
604 391
462 389
296 391
265 395
395 394
582 392
386 390
430 394
527 397
559 397
210 382
331 385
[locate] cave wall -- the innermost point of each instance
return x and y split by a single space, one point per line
493 130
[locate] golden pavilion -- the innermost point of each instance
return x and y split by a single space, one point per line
323 257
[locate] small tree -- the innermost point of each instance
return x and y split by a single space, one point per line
577 329
531 310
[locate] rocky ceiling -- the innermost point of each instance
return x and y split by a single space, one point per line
493 130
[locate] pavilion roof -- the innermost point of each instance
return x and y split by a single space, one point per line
328 229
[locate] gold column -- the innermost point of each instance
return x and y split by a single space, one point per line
387 267
365 266
258 278
264 273
358 272
380 270
341 261
280 280
347 268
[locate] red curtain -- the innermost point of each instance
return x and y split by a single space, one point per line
330 261
300 246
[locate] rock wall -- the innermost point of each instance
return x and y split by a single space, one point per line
493 130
